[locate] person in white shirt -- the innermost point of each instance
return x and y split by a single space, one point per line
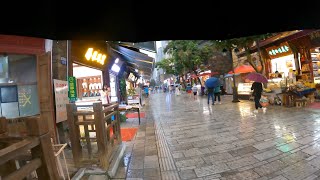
195 91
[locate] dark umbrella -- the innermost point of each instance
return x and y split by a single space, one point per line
212 82
257 77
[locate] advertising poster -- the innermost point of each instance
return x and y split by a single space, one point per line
61 99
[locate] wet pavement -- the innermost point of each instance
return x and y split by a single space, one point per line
182 138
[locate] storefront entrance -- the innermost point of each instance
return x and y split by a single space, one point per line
89 83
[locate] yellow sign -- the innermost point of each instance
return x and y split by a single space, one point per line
95 56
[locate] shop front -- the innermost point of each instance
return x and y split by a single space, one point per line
90 68
19 63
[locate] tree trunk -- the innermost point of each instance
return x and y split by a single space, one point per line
260 59
197 77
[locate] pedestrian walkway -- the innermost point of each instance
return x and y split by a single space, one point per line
182 138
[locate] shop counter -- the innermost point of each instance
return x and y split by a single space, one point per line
305 92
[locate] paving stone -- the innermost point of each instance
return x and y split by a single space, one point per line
135 173
242 162
270 168
155 172
189 162
187 174
210 170
243 151
244 175
267 154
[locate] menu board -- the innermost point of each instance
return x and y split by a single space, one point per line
28 100
61 99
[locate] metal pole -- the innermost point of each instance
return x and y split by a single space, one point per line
67 59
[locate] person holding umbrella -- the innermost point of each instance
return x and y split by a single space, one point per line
211 83
257 89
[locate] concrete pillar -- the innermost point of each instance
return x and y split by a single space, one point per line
61 64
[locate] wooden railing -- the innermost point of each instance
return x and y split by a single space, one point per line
97 121
22 155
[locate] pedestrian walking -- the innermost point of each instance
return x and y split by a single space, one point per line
217 93
189 89
257 90
195 91
210 94
177 90
146 90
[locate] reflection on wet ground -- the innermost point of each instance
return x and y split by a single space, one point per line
184 138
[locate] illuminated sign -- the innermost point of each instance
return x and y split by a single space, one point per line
279 51
95 56
72 88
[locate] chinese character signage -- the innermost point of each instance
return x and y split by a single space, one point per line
93 55
61 99
72 88
279 51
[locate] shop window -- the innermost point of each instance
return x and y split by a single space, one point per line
18 85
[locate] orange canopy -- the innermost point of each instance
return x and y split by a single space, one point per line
244 69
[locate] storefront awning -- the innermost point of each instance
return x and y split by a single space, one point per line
279 38
135 59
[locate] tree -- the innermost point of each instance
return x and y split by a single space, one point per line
246 43
187 56
229 46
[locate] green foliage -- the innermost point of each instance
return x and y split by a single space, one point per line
123 89
123 118
185 56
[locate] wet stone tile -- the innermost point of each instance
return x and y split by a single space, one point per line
187 174
288 147
219 157
154 172
189 162
242 162
267 154
135 173
311 150
244 175
210 170
270 168
243 151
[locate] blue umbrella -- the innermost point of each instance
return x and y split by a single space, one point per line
212 82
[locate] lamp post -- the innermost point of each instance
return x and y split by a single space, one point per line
234 88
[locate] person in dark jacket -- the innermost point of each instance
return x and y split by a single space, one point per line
257 90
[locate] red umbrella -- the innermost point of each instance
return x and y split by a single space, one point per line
257 77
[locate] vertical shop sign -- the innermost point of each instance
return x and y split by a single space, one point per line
61 98
72 88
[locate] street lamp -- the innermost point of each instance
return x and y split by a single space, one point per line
234 88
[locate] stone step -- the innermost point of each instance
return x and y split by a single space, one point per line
115 160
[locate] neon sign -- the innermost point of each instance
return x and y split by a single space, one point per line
95 56
281 49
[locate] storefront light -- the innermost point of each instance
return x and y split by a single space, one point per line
115 68
89 53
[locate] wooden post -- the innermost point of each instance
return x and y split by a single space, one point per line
87 136
48 168
74 134
101 135
36 126
3 125
118 124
